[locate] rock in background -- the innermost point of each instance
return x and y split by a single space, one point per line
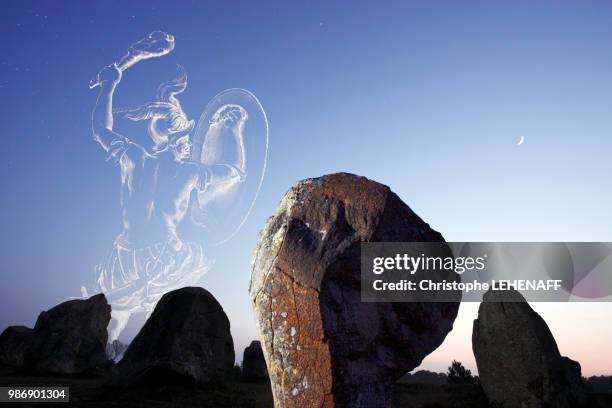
254 363
115 350
186 340
14 342
518 361
70 338
323 346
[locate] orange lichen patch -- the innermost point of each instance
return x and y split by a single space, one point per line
355 191
301 360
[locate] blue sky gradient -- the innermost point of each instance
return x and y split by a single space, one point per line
428 99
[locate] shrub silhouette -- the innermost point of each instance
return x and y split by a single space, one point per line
458 374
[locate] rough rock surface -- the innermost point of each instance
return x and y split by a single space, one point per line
186 340
70 338
518 361
254 363
323 346
14 342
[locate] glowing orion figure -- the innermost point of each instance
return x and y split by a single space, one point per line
160 183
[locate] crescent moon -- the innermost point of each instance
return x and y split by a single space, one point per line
521 141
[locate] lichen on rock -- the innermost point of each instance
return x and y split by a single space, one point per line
323 346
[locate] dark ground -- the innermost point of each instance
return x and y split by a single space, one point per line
438 396
91 392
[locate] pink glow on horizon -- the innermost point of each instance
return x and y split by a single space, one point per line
582 332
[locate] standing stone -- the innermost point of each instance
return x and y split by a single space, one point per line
254 363
70 338
14 342
323 346
518 361
115 350
186 340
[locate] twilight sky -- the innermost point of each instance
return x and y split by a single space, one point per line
429 100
